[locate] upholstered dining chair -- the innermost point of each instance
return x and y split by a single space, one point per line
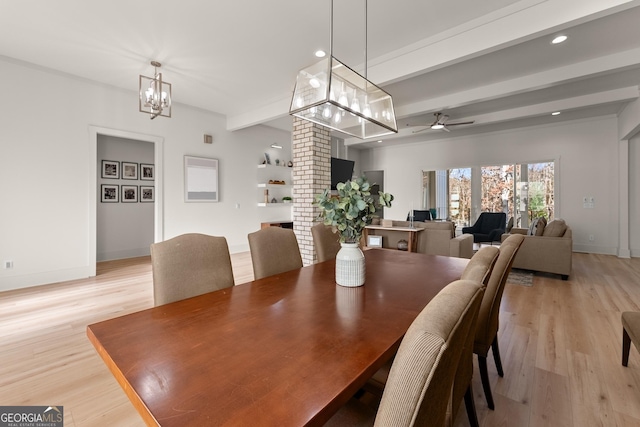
325 241
487 329
477 270
481 264
630 333
419 387
189 265
274 250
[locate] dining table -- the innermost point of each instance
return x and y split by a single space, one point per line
285 350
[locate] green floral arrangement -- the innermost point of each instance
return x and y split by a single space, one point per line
352 210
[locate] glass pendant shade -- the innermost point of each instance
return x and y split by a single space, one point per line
333 95
155 96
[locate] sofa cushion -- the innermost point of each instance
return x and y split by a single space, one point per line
555 228
537 227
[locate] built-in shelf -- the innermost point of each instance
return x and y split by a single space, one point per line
274 205
268 173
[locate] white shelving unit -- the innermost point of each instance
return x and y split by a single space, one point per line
268 173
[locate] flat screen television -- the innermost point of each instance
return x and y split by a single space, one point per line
341 171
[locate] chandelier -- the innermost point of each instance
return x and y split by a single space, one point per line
155 94
331 94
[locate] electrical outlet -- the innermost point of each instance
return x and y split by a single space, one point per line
8 264
591 238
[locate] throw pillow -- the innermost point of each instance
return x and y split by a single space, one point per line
542 222
555 228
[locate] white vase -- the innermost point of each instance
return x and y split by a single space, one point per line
350 266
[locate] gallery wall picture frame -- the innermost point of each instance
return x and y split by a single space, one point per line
147 194
109 193
129 170
110 169
129 193
200 179
147 172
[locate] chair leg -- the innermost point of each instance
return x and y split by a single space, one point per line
496 356
484 376
471 407
626 345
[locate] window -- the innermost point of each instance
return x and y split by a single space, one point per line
523 191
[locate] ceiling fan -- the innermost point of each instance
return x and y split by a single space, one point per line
440 123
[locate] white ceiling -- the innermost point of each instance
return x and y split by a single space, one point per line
490 61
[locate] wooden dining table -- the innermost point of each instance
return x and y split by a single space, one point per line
285 350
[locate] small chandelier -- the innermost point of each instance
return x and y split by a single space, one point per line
155 94
331 94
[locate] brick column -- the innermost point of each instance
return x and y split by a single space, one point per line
311 175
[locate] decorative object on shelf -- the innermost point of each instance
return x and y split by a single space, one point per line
331 94
434 213
155 94
350 212
287 199
290 164
277 162
403 245
274 200
200 179
110 169
266 196
267 159
277 182
129 170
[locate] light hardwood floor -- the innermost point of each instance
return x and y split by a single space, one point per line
560 344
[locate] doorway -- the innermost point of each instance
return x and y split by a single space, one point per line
95 173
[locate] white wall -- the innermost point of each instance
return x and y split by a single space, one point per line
586 153
634 196
45 174
124 230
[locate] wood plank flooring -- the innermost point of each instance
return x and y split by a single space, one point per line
560 344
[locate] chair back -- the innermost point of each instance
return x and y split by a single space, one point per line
418 390
481 264
189 265
274 250
325 241
490 308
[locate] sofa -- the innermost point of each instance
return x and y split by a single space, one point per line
437 238
546 247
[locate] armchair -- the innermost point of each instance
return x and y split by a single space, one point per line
488 227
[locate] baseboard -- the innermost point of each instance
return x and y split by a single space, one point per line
593 249
44 278
128 253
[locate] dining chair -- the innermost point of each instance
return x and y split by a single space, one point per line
487 329
630 333
481 264
189 265
274 250
325 241
419 388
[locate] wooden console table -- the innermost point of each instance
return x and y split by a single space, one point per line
283 224
413 234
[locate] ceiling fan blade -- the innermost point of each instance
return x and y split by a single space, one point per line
416 131
445 129
461 123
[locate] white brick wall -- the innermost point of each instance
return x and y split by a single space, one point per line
311 175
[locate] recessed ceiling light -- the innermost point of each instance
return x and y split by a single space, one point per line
559 39
320 53
555 113
379 141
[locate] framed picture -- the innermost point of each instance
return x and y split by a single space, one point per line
147 172
109 193
129 170
374 241
110 169
129 194
147 194
200 179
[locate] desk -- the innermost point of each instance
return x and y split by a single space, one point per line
412 234
285 350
